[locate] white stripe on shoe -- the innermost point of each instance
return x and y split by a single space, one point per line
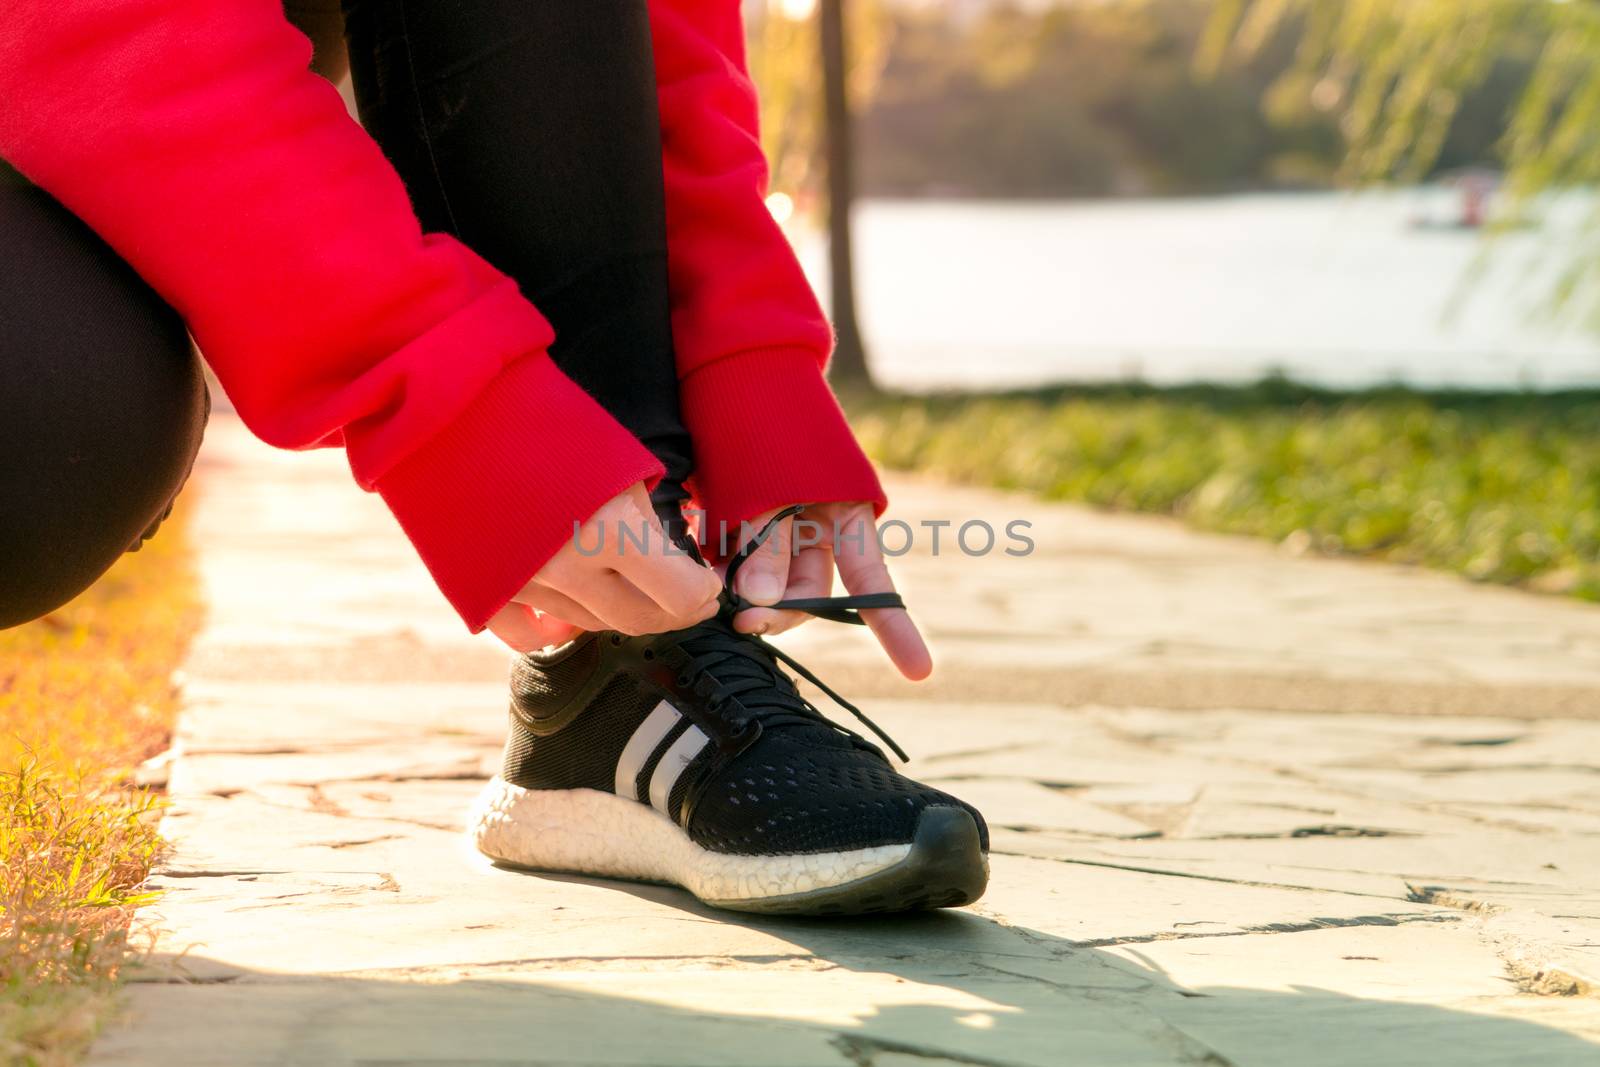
649 733
676 760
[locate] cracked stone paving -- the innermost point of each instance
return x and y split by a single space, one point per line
1248 809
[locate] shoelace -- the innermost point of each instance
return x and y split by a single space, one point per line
845 609
718 650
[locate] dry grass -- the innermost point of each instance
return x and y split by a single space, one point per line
85 695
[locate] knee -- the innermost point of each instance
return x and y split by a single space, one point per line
102 405
91 486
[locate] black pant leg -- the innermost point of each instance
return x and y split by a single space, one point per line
102 404
530 130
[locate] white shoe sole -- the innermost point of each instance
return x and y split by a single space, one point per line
586 831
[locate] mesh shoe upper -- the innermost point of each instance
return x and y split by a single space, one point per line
765 774
795 790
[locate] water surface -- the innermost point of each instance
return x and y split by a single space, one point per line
1329 288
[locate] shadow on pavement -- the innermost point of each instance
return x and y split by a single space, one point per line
911 991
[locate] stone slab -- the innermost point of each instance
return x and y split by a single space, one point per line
1375 845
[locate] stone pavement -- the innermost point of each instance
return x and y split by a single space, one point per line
1248 809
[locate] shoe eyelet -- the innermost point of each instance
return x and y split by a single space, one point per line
616 639
649 653
682 679
744 736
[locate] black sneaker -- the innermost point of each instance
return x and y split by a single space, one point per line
690 758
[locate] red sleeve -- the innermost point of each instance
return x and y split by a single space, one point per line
192 137
751 341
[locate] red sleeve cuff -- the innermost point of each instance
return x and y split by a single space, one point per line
768 432
494 495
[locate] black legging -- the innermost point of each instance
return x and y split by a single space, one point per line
528 130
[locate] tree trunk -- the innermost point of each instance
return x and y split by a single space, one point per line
850 356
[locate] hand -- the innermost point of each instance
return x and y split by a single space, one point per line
778 571
618 587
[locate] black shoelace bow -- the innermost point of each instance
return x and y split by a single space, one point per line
745 676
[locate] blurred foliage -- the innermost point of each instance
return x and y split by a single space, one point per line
1105 98
1407 78
785 63
86 693
1497 487
1076 100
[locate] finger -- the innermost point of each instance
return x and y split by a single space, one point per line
679 586
556 631
764 575
862 567
810 575
552 603
518 627
630 541
620 605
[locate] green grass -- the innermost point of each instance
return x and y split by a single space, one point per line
1498 487
85 694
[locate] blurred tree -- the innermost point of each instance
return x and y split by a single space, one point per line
849 351
807 122
1086 98
784 65
784 61
1402 74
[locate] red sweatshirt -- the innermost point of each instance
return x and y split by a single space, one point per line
191 135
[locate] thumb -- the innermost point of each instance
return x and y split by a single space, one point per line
765 574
